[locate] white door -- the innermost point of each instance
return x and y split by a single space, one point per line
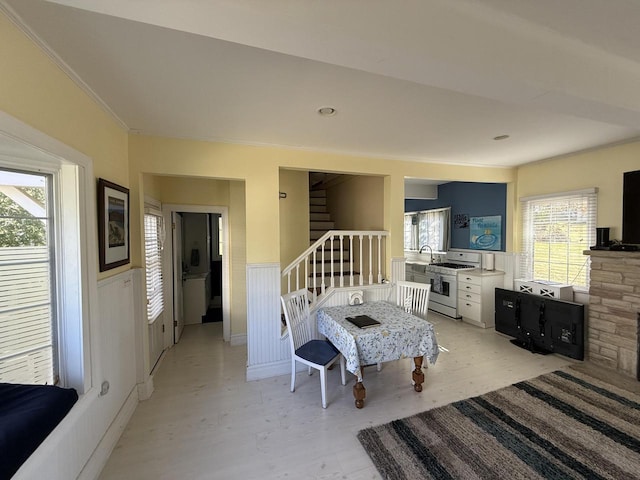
178 316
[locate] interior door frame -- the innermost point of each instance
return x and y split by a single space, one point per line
167 261
178 274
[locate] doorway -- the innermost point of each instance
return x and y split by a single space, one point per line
194 259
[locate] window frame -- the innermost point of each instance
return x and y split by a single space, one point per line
76 255
527 243
444 242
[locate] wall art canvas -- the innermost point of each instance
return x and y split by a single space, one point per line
485 233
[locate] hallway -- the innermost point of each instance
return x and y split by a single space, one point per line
204 421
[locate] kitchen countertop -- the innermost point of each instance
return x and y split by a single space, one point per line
479 272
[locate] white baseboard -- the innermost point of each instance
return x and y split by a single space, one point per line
267 370
101 454
240 339
145 389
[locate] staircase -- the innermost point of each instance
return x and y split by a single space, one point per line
333 259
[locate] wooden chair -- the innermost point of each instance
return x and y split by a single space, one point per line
413 297
318 354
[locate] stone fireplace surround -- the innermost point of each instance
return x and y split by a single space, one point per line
614 311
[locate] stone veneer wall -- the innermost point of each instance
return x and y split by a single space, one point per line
614 303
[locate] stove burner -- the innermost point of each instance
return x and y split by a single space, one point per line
455 266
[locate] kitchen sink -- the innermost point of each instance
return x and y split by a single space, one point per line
416 267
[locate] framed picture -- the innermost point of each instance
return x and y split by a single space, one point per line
461 220
113 225
485 233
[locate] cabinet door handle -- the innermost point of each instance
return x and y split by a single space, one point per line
468 288
468 296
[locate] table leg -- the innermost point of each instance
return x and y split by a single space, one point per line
418 376
359 393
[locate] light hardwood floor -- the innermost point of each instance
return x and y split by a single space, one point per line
204 421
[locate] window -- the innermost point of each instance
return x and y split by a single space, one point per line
28 333
153 244
70 218
556 231
428 227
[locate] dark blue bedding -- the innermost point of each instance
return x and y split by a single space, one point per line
28 413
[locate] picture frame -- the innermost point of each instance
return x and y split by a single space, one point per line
485 233
113 225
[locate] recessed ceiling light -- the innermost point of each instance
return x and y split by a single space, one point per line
327 111
501 137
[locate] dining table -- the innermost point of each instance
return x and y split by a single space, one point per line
398 335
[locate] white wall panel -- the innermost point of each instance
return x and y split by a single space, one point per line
82 442
263 314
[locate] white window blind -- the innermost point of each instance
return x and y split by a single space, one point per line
555 232
153 245
27 317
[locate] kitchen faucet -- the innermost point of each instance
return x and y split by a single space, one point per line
430 249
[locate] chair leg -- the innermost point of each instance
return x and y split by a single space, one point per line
342 370
379 366
310 371
293 375
323 386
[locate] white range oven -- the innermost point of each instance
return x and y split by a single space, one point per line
443 277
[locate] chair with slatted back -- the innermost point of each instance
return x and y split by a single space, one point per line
315 353
413 297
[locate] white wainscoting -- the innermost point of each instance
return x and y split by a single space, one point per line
81 444
398 269
265 352
269 352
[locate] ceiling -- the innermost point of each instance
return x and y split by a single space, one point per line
425 80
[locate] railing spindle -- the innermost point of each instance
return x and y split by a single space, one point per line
315 279
332 265
370 259
341 261
379 259
351 260
323 286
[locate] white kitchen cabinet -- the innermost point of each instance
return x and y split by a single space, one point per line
476 296
196 295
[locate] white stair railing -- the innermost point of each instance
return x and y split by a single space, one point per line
310 269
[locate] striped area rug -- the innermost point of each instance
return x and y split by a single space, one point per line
560 425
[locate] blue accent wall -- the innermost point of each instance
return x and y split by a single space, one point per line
472 199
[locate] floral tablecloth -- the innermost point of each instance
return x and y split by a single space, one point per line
399 334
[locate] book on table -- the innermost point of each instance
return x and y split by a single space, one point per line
363 321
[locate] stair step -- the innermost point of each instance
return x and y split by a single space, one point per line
320 217
318 194
336 244
318 201
318 225
335 274
327 263
316 234
317 208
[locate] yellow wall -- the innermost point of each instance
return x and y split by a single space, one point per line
151 187
357 203
294 218
602 168
260 167
238 244
36 91
219 193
